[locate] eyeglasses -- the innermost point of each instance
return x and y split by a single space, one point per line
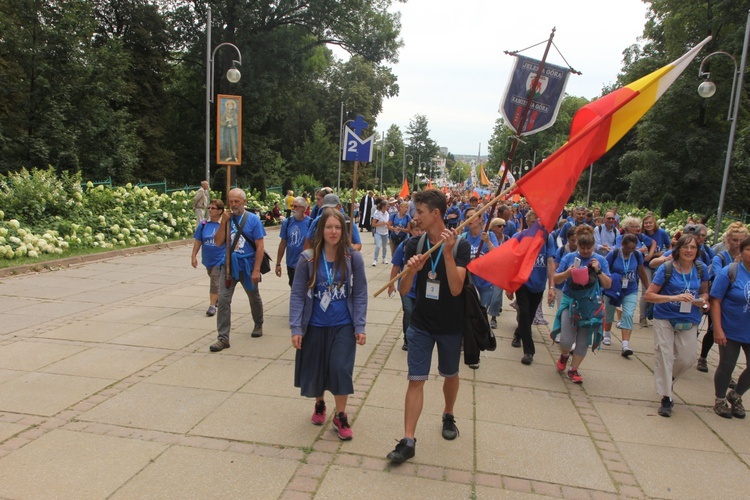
610 218
214 208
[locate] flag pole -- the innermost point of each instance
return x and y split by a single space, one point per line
479 212
519 130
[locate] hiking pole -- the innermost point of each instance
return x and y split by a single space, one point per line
479 212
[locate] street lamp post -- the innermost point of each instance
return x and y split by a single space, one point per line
233 75
382 158
403 168
706 90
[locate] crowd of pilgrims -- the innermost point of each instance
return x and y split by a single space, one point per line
587 272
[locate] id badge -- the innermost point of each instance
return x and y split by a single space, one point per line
325 300
686 307
432 290
624 282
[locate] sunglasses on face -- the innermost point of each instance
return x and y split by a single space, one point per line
610 218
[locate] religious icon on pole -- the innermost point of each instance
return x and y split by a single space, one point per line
229 130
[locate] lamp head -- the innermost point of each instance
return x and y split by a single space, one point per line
706 89
391 153
234 75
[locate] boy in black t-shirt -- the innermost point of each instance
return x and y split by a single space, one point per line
437 317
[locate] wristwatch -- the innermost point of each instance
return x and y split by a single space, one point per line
598 272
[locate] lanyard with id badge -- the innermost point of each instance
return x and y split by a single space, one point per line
432 290
685 307
625 267
325 300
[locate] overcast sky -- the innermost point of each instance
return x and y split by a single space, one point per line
452 68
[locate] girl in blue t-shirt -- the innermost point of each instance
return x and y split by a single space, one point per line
327 314
570 316
625 264
677 313
212 255
730 310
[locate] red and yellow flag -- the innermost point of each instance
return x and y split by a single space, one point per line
595 129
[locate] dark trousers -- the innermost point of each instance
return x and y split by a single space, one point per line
527 302
290 273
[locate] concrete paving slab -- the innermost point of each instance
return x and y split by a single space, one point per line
29 356
89 331
182 472
618 385
513 373
682 430
274 379
260 419
6 375
162 337
524 453
106 362
536 410
377 430
207 371
175 301
55 310
74 465
8 429
671 472
50 292
64 280
100 297
47 393
389 391
193 316
157 407
140 316
732 431
13 303
345 482
486 492
17 322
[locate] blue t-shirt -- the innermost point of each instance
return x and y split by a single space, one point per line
537 281
452 210
567 261
399 261
735 303
558 255
252 230
337 313
662 239
680 283
628 268
211 254
293 231
474 241
356 240
402 222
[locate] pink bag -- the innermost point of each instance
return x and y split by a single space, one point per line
580 275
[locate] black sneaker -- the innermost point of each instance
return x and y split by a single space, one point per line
450 431
403 452
219 345
527 358
665 410
732 384
516 342
474 366
493 323
257 331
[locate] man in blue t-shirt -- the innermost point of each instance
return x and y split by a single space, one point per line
245 267
293 232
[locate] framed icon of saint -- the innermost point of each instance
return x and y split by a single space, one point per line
228 129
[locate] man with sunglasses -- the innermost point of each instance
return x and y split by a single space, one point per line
292 233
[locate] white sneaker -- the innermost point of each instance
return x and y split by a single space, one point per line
385 261
375 263
619 325
607 340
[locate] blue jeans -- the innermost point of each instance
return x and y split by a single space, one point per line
381 241
496 303
408 305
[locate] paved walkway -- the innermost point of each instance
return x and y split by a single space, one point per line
107 390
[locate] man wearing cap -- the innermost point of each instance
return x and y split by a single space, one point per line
245 267
332 201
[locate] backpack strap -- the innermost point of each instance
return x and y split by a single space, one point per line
733 270
668 267
423 238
